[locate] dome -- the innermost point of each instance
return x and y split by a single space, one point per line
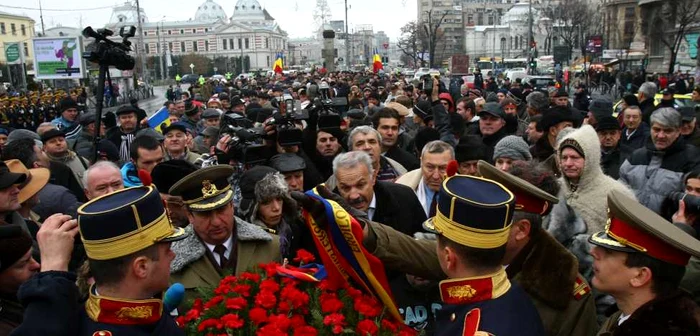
519 13
248 10
210 10
126 13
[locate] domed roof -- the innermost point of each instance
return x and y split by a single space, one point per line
126 13
519 13
210 10
248 10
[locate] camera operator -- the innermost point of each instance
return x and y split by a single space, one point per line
684 207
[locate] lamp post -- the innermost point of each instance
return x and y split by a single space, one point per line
159 31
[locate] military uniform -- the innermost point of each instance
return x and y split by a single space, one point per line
633 228
117 225
195 264
488 302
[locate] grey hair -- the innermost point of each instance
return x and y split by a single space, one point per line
363 130
96 166
351 160
436 147
633 108
537 100
648 89
666 116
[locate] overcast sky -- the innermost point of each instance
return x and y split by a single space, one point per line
294 16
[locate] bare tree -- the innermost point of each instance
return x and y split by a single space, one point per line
676 16
322 13
431 27
412 44
572 21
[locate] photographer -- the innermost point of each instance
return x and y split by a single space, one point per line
684 208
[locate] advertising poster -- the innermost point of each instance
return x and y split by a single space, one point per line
58 58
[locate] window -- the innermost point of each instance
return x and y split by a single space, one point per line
470 19
194 31
182 32
24 30
267 42
26 50
240 45
268 60
206 45
206 30
13 29
170 31
491 20
194 46
225 44
2 28
182 46
170 46
247 43
480 19
230 43
148 48
145 33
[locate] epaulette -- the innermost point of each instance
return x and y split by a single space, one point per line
581 288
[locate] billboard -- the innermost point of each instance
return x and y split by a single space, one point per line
58 58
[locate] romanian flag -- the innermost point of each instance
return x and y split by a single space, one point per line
377 61
278 67
161 117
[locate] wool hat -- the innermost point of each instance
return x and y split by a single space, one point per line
573 144
556 115
107 150
607 123
425 135
22 134
167 173
470 148
601 107
512 147
631 100
14 248
67 103
424 110
247 184
52 133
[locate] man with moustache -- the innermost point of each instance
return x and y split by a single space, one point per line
389 203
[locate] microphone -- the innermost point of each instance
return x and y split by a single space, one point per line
173 297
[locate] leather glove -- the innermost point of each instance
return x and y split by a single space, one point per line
318 211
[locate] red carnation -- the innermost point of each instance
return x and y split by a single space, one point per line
232 321
334 319
197 304
297 321
280 322
330 303
305 331
304 257
214 301
265 299
284 307
250 276
369 308
297 298
367 327
242 290
269 285
389 325
209 323
258 315
236 303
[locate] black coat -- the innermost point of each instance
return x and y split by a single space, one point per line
611 161
406 159
647 106
397 206
638 139
63 176
491 140
417 306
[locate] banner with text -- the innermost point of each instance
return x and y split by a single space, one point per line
58 58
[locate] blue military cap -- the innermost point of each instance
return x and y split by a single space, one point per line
125 222
473 211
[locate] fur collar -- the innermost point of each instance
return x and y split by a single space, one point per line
676 314
544 255
192 249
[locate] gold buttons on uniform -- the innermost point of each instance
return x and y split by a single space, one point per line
453 317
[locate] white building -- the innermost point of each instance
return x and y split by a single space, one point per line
251 31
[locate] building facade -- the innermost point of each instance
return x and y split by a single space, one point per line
250 32
451 32
17 28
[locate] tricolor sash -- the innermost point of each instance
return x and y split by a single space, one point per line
342 253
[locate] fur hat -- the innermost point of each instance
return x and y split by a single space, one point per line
512 147
14 248
270 187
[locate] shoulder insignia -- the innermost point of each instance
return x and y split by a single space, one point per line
102 333
581 288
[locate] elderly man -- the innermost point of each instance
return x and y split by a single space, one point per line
553 121
657 169
175 143
427 180
102 178
389 203
647 92
219 242
124 135
369 140
608 129
635 134
292 167
689 129
537 103
640 260
56 148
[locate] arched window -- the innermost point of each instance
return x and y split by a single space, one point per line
503 43
555 41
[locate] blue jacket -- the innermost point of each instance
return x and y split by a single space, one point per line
72 129
130 175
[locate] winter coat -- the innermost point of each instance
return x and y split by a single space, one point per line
589 196
398 207
56 199
654 174
675 314
84 146
77 164
193 268
648 107
542 149
11 314
189 156
691 279
637 140
406 159
611 161
63 176
130 175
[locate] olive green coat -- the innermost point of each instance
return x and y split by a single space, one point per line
691 279
548 273
192 268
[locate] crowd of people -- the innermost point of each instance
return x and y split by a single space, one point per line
542 214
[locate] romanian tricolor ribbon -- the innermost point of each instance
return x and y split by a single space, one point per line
343 255
308 272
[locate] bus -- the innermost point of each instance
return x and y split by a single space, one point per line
510 63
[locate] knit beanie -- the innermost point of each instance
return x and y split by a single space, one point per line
571 143
512 147
14 248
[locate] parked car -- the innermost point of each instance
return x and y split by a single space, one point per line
189 79
540 82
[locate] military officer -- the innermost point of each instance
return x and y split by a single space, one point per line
640 259
563 302
219 242
127 237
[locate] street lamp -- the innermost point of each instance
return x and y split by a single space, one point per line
159 31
